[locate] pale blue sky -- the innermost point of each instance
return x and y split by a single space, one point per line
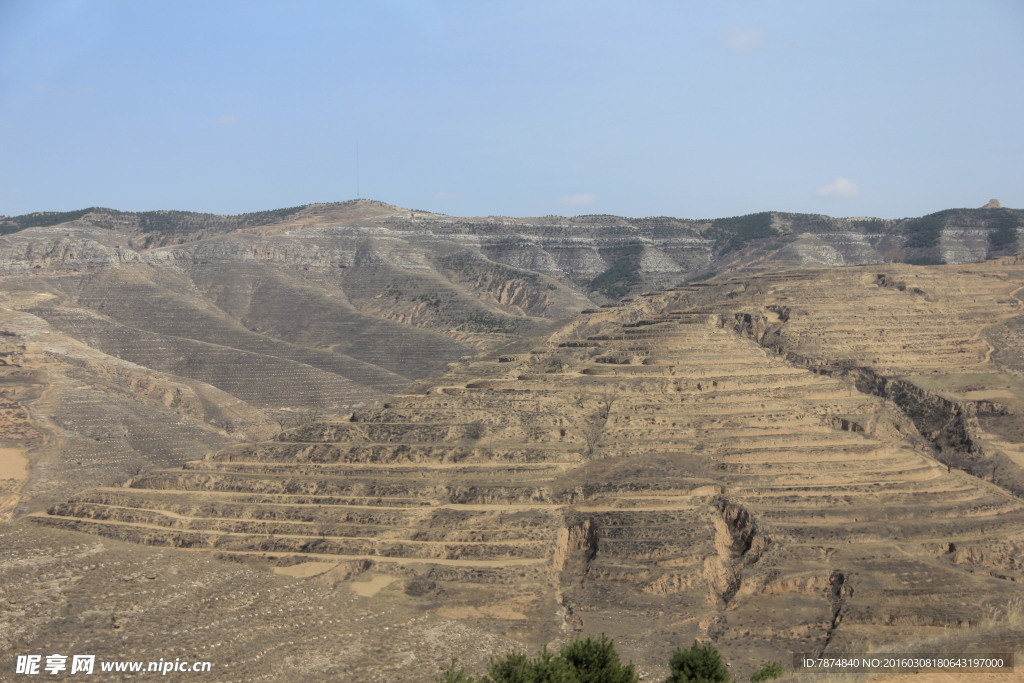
684 108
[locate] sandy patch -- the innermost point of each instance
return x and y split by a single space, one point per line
306 569
19 299
374 585
513 610
989 395
13 473
13 464
463 612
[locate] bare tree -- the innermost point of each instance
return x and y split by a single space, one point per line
476 430
591 431
324 523
557 363
605 401
134 470
301 417
579 397
591 425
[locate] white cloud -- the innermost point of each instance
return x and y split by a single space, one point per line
578 199
444 196
227 119
742 40
840 187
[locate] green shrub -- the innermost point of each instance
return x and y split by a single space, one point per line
924 232
732 234
596 660
769 671
45 219
544 668
1003 228
453 674
584 660
623 274
698 664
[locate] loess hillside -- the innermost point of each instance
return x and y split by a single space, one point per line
136 340
123 354
810 461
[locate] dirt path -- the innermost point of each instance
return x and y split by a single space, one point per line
384 559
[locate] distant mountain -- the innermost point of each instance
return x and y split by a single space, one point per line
601 256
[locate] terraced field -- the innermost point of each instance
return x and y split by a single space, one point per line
130 365
657 471
943 343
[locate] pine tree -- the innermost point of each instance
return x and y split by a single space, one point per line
698 664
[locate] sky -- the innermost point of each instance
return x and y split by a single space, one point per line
638 108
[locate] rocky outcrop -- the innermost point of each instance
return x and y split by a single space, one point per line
737 544
575 547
